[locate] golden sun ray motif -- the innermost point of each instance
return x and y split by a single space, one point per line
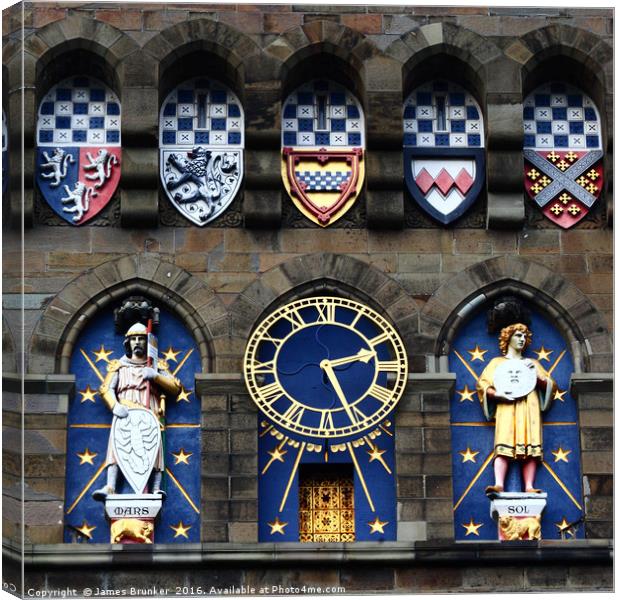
561 455
377 525
88 395
180 530
102 354
171 354
477 354
543 353
184 395
182 457
86 530
471 527
466 395
559 395
468 455
277 526
86 457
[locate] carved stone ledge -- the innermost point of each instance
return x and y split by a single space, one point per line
39 383
591 382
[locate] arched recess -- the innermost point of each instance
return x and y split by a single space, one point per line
180 51
442 49
581 324
326 273
196 304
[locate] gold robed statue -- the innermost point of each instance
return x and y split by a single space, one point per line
515 391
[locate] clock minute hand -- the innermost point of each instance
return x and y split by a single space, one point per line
363 356
329 371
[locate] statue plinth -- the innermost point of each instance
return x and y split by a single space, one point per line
132 517
518 515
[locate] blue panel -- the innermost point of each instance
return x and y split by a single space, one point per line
442 139
97 95
170 110
95 123
409 112
352 112
574 100
201 137
575 126
543 126
63 122
473 139
112 137
80 108
169 137
354 139
322 139
528 113
185 124
560 141
217 124
113 108
410 139
424 99
290 111
457 126
234 137
185 96
457 99
592 141
233 110
338 124
589 114
559 114
218 97
79 135
47 108
337 98
63 94
46 136
182 432
304 124
473 114
471 430
425 126
542 100
290 138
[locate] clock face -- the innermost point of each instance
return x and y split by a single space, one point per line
325 367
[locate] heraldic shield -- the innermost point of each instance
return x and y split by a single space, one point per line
563 155
322 150
136 440
201 149
78 148
443 149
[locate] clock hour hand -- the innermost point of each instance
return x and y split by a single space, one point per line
329 371
363 356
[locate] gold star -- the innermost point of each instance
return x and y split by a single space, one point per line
563 525
277 526
376 454
102 354
170 354
180 529
472 527
181 457
543 354
559 395
468 455
561 454
377 526
86 530
466 394
277 454
86 457
477 354
88 395
184 395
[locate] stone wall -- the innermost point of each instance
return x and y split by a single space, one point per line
222 278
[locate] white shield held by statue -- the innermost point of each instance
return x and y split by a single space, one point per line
515 378
135 441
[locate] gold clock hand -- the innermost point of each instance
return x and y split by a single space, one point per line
326 366
362 355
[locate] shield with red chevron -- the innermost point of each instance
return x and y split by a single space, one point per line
444 182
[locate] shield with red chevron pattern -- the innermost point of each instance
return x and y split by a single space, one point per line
443 149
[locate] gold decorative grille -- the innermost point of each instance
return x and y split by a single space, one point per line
326 509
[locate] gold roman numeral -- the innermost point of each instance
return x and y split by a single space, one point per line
275 341
263 368
295 319
379 339
294 413
390 366
327 420
327 313
270 393
380 393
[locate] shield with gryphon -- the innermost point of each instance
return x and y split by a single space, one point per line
443 151
563 156
201 149
322 150
136 439
78 157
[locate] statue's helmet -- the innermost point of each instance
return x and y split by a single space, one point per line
135 329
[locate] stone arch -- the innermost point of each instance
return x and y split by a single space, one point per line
230 46
67 314
580 322
589 53
326 273
75 32
456 43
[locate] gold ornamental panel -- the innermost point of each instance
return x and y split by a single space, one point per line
326 512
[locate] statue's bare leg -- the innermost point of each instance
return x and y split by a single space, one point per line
529 474
500 468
